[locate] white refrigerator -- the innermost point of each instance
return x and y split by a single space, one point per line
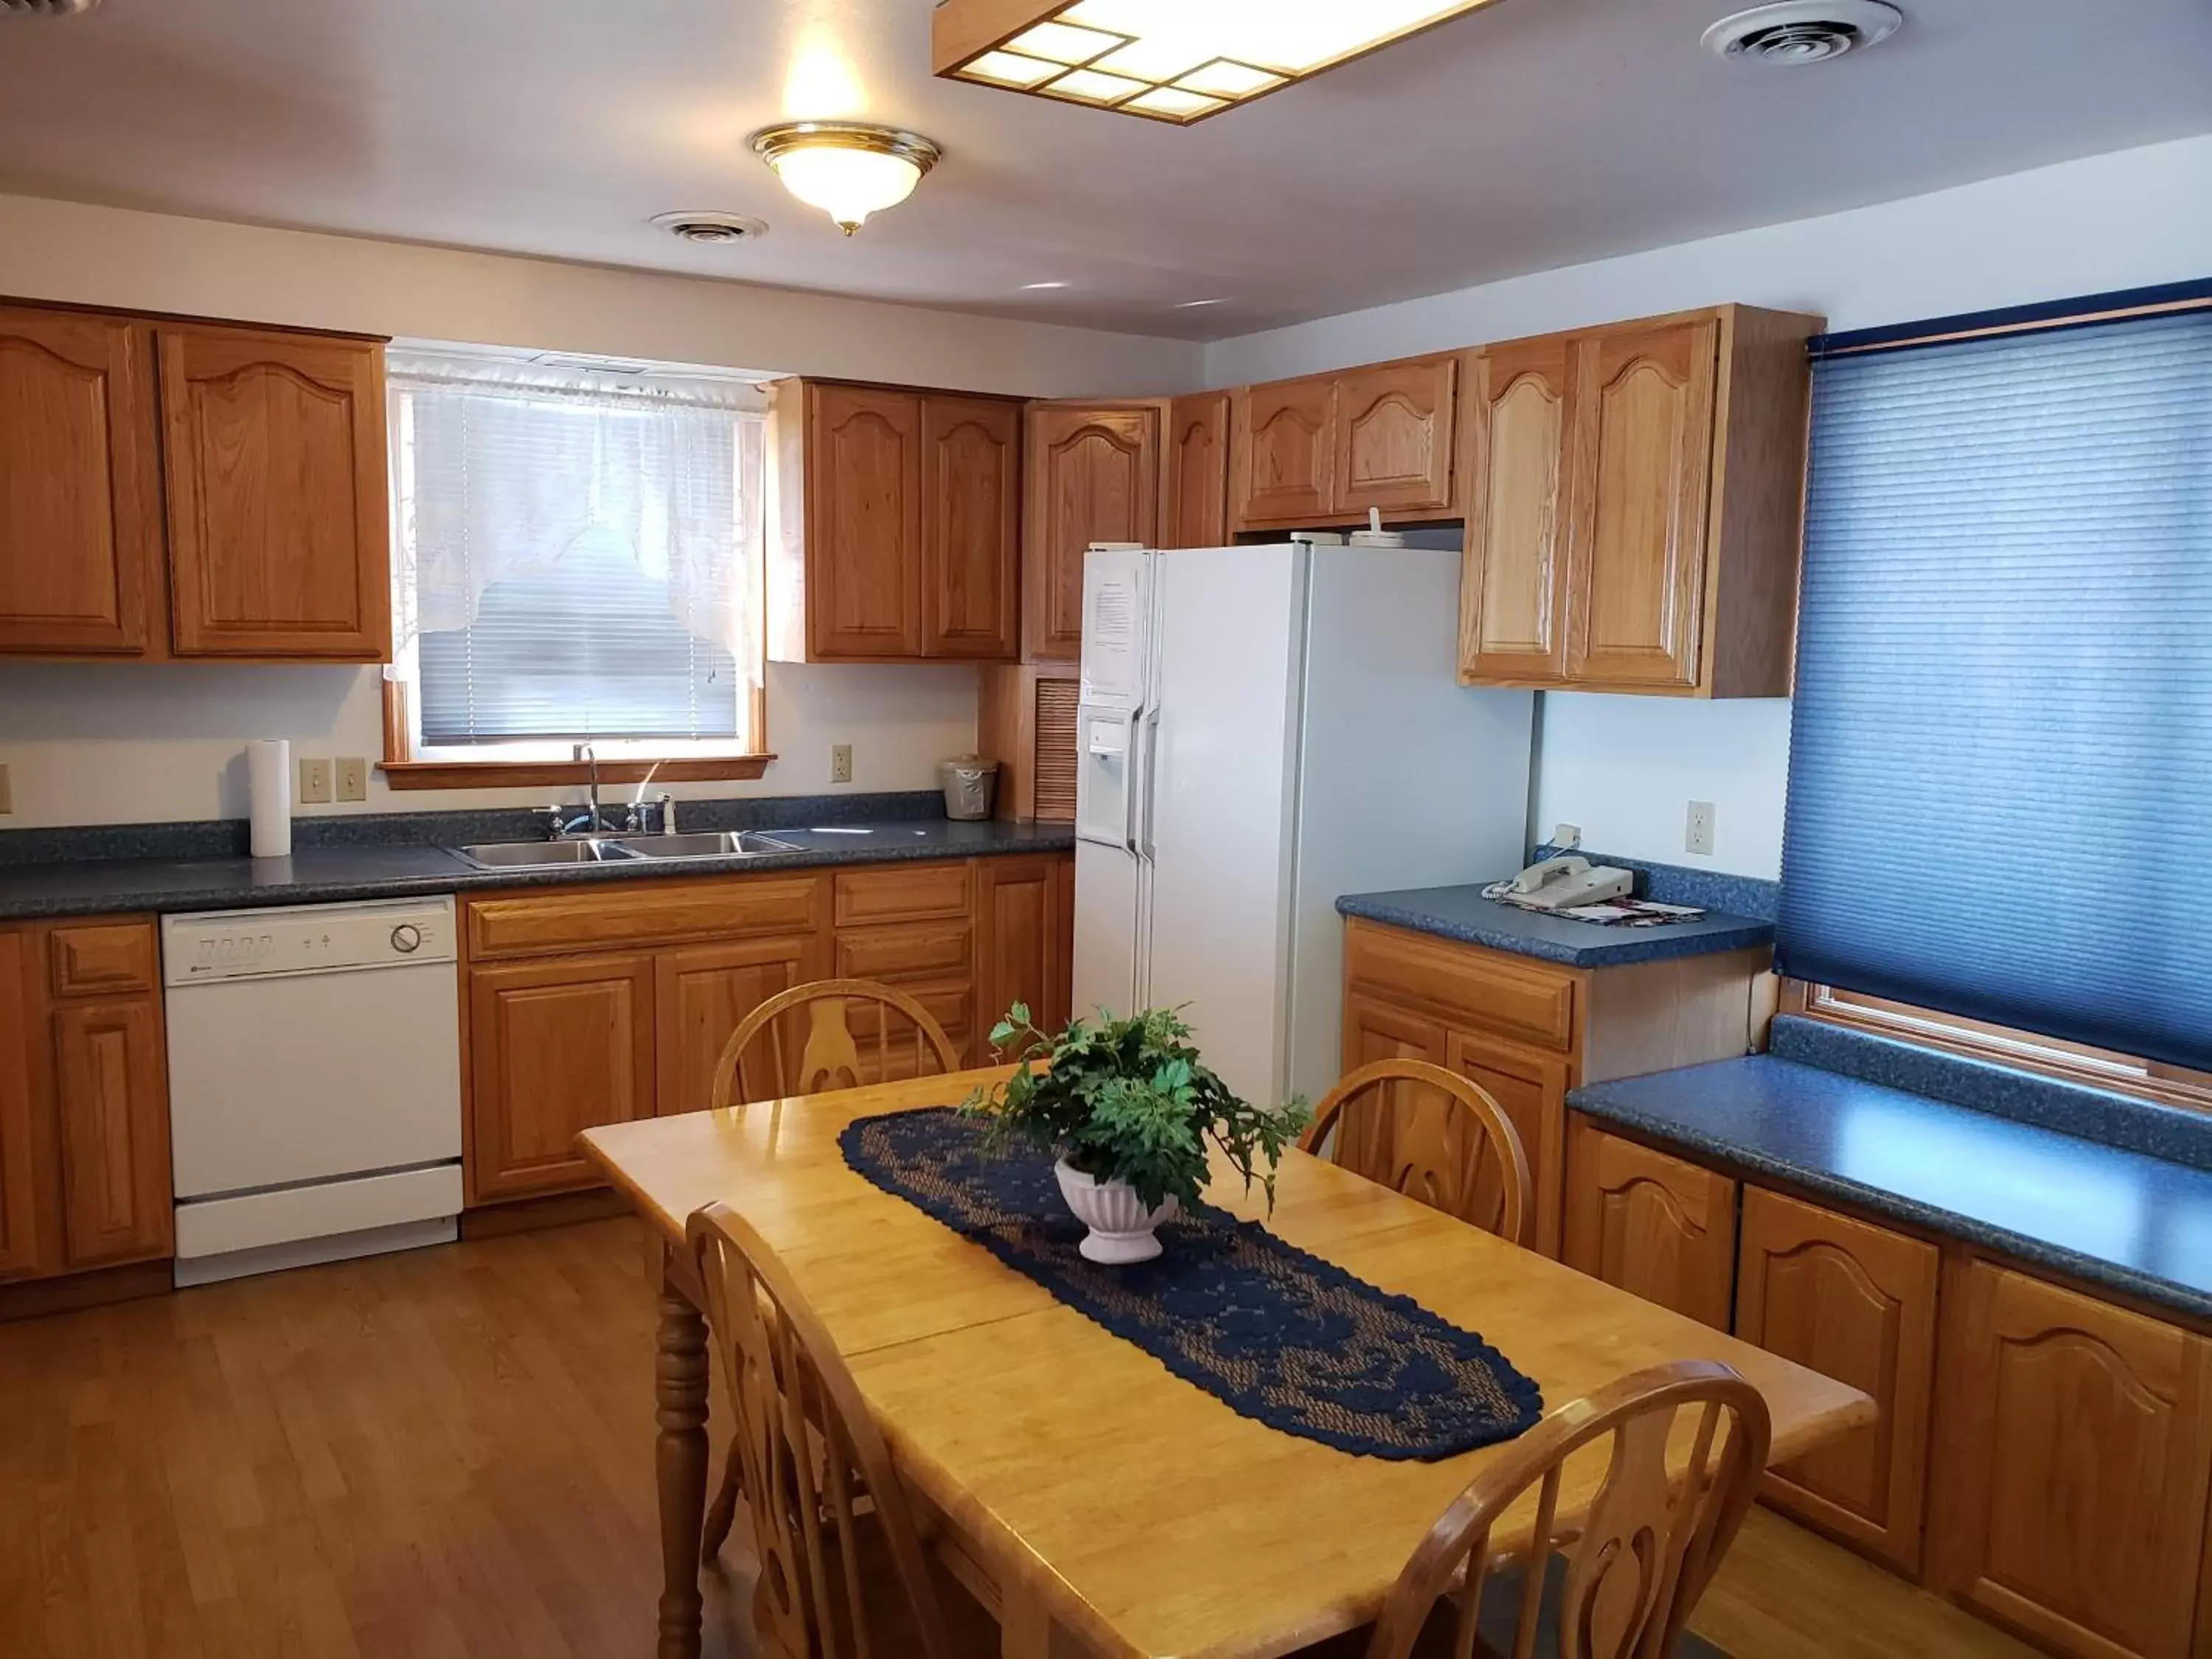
1262 730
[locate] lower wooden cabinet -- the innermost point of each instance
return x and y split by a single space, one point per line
2074 1458
21 1180
1532 1087
701 995
111 1100
1857 1303
1023 943
555 1048
1650 1223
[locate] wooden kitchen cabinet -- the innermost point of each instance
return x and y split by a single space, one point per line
1856 1302
23 1182
1636 503
1393 438
1531 1086
2074 1457
1024 941
862 524
971 509
112 1103
1092 474
1025 720
1652 1224
555 1047
80 516
1282 452
1198 471
701 994
274 453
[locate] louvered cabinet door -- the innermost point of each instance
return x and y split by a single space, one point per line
1513 583
1652 1224
1055 756
80 493
279 537
971 510
1642 471
1394 432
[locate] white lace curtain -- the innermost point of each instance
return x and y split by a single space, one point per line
500 470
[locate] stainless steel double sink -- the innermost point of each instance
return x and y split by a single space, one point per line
624 849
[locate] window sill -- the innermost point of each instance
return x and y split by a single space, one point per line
514 774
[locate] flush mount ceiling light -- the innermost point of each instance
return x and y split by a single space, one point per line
711 226
1178 61
47 8
1803 31
848 169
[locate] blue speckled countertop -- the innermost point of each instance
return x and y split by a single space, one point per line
2106 1213
1462 914
339 874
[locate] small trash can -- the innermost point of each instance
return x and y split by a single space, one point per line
969 782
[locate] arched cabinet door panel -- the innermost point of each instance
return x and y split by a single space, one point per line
863 554
1513 585
971 508
1394 425
1093 475
1650 1223
1282 447
1198 471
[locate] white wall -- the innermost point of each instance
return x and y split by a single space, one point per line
94 743
1625 768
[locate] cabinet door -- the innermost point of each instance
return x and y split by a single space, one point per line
554 1047
1857 1303
1092 475
1650 1223
1198 471
80 532
112 1096
1532 1087
279 544
700 996
1513 585
864 576
1018 948
1282 452
2073 1460
1059 976
1643 464
1376 1030
1394 438
19 1182
971 510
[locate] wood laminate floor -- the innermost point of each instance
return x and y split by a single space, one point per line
448 1453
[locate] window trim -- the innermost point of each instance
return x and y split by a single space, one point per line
403 770
2023 1051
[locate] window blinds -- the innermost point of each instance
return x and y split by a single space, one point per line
580 563
2000 765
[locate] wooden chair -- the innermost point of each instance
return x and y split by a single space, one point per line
842 1568
1432 1135
896 1038
1637 1565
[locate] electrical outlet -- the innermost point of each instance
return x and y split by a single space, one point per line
1699 838
352 778
841 763
314 782
6 795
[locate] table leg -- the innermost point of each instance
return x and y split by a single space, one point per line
680 1468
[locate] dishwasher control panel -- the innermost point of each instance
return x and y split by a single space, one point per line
309 939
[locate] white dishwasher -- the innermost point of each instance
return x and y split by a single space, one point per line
314 1083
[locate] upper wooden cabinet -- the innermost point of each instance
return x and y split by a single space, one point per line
80 492
893 524
1282 452
1198 471
1636 505
1093 472
279 537
1326 448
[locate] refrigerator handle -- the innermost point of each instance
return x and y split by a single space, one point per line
1132 804
1152 769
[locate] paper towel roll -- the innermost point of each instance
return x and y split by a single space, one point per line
269 785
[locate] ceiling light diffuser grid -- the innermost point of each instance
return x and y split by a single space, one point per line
1175 61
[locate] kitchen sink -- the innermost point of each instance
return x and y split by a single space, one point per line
514 854
623 849
702 844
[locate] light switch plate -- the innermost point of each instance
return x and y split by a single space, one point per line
352 778
1698 837
841 763
314 782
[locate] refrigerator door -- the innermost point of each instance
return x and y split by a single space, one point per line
1219 811
1111 883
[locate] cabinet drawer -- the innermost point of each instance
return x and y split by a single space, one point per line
901 892
642 913
930 949
1468 984
102 960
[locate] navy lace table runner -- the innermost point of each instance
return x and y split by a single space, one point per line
1276 1333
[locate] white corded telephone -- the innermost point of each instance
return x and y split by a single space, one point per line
1556 883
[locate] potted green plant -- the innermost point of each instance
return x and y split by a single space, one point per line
1127 1109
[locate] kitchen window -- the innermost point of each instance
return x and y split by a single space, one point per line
2000 807
577 559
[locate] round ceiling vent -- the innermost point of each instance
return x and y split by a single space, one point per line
47 8
706 226
1803 31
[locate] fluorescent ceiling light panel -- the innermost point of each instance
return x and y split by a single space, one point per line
1181 60
1007 68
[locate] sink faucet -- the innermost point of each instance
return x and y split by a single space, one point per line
584 752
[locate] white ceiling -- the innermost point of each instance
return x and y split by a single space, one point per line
1532 134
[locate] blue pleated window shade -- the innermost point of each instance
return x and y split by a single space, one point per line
2001 760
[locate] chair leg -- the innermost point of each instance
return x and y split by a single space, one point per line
723 1511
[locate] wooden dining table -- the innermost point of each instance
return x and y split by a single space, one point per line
1097 1502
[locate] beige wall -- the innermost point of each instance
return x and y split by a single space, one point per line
95 744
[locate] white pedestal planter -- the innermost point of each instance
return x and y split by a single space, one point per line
1121 1226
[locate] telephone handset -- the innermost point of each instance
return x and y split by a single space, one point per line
1556 884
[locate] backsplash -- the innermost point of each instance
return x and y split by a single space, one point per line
1673 884
221 838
